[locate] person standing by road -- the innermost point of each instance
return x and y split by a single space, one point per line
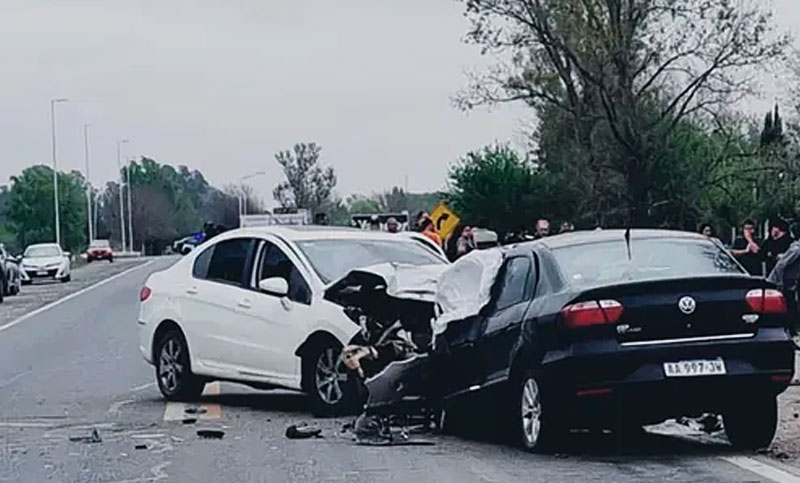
542 229
747 249
427 229
706 230
776 245
392 225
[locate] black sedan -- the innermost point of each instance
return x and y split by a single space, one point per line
601 330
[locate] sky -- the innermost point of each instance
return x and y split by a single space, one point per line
221 86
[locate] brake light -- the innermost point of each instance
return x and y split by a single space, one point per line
144 294
587 314
766 301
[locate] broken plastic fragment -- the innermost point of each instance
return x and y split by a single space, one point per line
303 432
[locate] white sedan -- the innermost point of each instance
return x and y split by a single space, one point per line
45 260
248 306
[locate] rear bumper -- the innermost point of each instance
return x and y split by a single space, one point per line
605 375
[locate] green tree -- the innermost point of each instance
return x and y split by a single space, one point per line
307 184
30 207
497 189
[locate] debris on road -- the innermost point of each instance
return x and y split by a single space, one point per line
140 446
210 433
93 437
195 410
303 431
189 420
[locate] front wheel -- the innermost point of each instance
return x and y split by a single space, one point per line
330 388
536 416
173 372
66 279
751 424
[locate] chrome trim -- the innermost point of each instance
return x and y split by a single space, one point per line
710 338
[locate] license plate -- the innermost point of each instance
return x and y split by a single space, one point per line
713 367
41 273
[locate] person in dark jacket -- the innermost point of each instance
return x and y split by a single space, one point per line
776 245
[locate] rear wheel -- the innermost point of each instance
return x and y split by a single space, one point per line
537 422
751 424
173 372
331 389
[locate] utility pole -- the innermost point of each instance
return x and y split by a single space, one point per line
89 215
55 167
121 201
130 212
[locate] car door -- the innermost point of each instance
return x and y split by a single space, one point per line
503 324
277 325
209 303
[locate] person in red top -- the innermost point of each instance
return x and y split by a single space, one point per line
427 229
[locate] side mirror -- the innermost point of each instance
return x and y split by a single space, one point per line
68 254
274 286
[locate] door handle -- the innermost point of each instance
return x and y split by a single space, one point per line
245 304
191 290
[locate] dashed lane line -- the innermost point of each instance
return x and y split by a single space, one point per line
176 411
762 469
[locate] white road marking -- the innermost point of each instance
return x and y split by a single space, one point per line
762 469
71 296
176 411
143 387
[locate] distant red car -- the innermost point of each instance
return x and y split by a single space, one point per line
99 250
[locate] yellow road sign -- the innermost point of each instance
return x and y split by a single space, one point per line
444 220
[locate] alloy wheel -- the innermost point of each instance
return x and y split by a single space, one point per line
531 412
170 368
330 376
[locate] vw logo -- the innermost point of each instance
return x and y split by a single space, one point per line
687 305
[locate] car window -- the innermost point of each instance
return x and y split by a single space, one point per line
228 261
200 268
332 259
275 263
43 251
514 282
594 264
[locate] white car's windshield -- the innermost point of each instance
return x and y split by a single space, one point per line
333 259
42 252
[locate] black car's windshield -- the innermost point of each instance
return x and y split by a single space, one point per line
42 252
602 263
332 259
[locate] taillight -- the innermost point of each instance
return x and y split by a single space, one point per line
587 314
144 294
766 301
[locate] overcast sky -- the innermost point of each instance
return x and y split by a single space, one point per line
222 85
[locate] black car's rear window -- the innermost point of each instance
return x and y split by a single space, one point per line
602 263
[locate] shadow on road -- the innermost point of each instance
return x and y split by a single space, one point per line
265 401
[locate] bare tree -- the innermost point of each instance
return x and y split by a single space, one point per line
307 184
627 72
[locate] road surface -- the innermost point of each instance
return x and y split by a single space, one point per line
74 368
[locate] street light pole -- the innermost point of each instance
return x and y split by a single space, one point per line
88 183
55 167
242 200
121 209
130 212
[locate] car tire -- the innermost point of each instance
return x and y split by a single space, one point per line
538 426
27 282
173 369
331 389
66 279
111 260
751 424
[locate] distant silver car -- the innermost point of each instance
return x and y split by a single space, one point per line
10 280
45 260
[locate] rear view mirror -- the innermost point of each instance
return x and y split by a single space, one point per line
274 286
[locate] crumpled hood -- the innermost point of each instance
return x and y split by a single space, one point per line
42 261
398 281
466 287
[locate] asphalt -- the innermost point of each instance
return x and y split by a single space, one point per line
74 369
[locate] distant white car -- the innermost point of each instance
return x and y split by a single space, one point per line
248 306
45 260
